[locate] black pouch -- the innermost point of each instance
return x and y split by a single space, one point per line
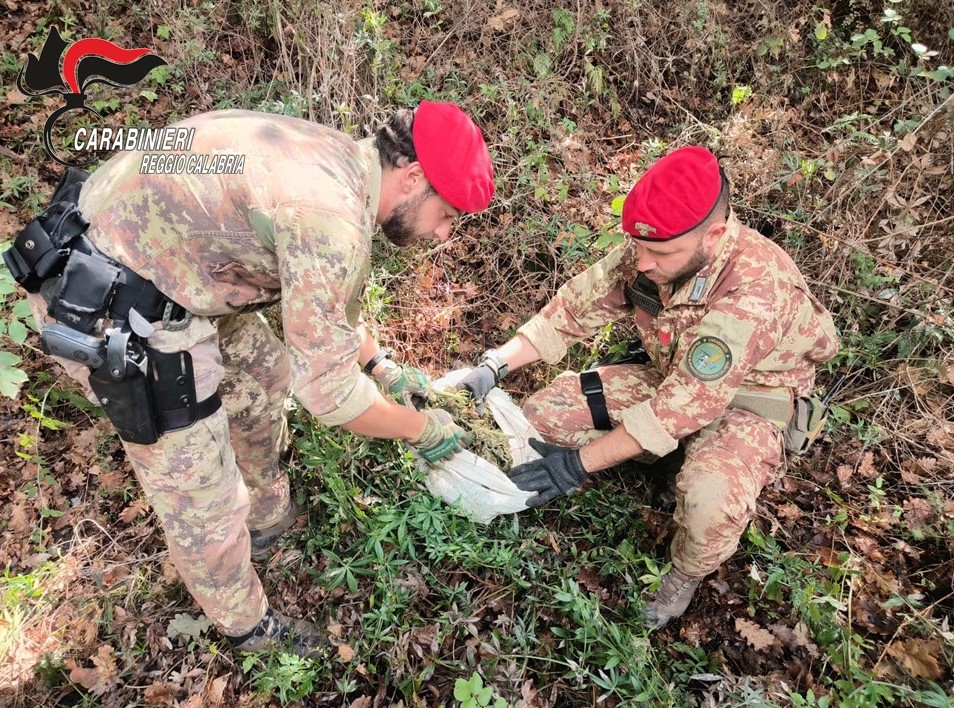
84 292
128 401
33 257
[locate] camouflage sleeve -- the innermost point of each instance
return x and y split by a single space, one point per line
711 361
580 307
322 258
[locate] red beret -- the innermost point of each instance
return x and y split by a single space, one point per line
453 155
674 196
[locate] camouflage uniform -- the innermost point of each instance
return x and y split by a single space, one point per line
295 226
746 322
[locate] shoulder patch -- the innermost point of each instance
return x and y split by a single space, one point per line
709 358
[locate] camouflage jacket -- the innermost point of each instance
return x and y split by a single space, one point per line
746 320
295 225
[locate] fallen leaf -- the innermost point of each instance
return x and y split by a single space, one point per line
363 702
946 373
907 142
137 508
185 625
917 657
867 468
160 694
500 22
345 652
86 678
755 635
918 512
844 473
214 694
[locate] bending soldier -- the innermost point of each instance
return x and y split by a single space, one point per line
191 375
731 337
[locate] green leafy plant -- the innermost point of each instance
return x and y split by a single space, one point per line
473 694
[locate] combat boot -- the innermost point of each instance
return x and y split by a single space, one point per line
277 631
670 600
263 540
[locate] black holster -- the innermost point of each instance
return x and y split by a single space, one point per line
147 393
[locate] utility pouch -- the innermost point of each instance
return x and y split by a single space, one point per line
33 257
84 291
126 394
807 422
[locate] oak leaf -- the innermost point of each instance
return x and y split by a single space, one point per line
918 657
759 638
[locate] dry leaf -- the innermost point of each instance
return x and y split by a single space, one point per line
345 652
99 679
907 142
866 467
844 473
918 512
946 373
917 657
500 22
757 637
137 508
185 625
215 692
160 694
363 702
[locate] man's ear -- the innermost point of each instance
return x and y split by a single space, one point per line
412 176
713 235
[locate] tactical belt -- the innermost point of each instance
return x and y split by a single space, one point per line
592 387
144 392
89 286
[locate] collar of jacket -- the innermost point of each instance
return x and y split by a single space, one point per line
698 288
370 153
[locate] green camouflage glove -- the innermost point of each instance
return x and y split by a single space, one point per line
408 386
442 437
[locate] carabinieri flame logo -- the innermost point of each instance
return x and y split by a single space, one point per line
85 62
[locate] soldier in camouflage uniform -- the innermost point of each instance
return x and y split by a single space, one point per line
296 227
733 337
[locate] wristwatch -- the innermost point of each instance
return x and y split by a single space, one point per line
496 362
383 353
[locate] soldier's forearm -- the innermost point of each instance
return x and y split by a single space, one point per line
611 449
368 347
388 420
518 352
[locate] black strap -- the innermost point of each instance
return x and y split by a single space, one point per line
592 388
135 292
644 294
383 353
183 417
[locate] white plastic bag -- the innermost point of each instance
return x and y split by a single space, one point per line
480 489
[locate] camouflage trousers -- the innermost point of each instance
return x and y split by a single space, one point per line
727 463
214 481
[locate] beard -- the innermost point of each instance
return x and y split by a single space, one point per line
399 227
698 261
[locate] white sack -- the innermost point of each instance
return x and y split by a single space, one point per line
478 486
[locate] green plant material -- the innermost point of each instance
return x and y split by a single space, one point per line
489 441
473 694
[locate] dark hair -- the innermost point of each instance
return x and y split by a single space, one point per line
395 140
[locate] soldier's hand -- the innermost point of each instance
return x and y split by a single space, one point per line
560 471
406 385
442 437
478 383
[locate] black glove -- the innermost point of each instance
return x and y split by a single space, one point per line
559 472
479 382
